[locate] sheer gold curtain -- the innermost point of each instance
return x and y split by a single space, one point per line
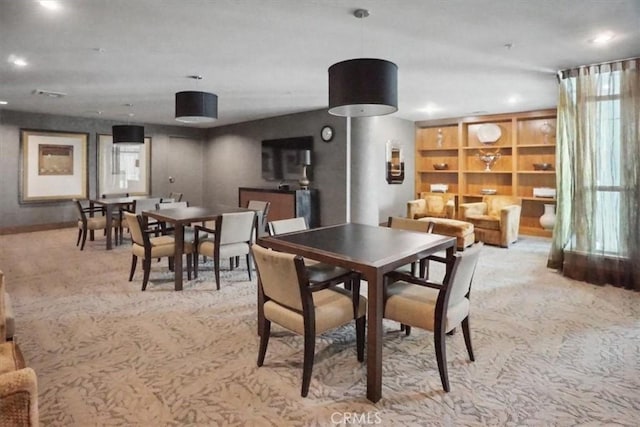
597 232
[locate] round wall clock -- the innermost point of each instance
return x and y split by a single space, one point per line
326 133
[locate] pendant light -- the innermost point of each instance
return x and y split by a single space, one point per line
128 134
364 86
196 107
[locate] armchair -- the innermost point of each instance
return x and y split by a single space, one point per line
496 219
439 205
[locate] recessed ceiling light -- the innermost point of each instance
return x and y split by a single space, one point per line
431 109
50 4
603 38
3 102
17 61
513 99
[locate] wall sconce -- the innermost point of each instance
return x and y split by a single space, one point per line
395 164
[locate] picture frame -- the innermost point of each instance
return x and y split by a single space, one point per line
53 166
123 168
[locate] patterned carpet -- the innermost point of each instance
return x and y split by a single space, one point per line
549 350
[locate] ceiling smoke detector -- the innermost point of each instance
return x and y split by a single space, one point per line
49 93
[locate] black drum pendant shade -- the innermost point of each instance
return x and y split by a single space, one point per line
363 87
196 107
128 134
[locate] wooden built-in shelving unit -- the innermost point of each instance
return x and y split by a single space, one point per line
527 138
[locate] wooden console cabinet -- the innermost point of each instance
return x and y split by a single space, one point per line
527 138
285 203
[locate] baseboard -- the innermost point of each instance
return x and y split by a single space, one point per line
36 227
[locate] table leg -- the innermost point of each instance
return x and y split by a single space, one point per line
177 264
260 309
374 336
109 225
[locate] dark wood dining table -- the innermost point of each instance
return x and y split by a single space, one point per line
111 205
373 251
181 217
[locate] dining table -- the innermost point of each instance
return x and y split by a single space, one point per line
111 205
182 217
373 251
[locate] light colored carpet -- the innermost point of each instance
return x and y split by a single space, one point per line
549 350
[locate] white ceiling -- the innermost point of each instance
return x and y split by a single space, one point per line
266 58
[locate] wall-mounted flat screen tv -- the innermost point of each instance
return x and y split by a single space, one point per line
282 159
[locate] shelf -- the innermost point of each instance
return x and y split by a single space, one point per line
489 172
539 199
439 149
536 145
527 138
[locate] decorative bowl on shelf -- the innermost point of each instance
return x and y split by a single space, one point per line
440 166
488 191
542 166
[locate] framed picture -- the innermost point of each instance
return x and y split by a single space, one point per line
53 166
123 168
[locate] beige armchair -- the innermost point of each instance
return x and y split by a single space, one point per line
496 219
438 205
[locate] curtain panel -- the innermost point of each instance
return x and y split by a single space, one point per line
597 232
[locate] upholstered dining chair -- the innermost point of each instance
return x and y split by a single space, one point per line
262 212
412 225
288 225
291 301
177 197
318 272
89 223
435 307
231 238
148 248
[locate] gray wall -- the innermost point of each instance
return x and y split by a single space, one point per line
208 166
232 159
183 159
373 200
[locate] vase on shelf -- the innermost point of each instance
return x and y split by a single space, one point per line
548 218
439 139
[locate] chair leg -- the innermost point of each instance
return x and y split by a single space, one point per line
407 330
216 268
232 263
79 236
264 341
84 238
467 338
360 326
249 266
189 262
307 367
147 269
134 263
441 357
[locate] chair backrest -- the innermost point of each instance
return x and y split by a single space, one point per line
290 225
462 274
171 205
167 200
236 227
262 211
436 202
496 203
177 197
81 215
140 205
135 228
278 276
410 224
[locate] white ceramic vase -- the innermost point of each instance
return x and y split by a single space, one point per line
548 218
